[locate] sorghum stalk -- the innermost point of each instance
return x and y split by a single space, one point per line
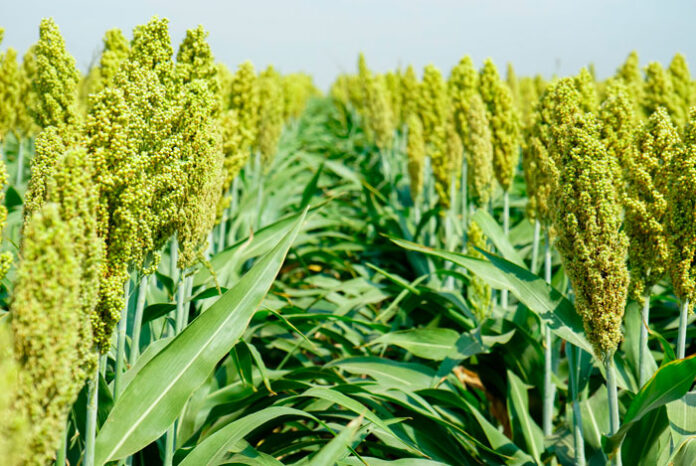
681 226
612 395
681 339
121 341
573 361
91 419
643 376
138 318
535 245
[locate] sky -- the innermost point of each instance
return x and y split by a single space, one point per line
323 37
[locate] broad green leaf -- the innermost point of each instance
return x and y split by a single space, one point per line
595 417
549 304
518 407
156 396
495 233
355 406
380 462
257 244
685 455
213 448
427 343
388 373
669 383
682 417
499 442
647 439
338 447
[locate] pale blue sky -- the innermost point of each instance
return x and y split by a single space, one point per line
324 37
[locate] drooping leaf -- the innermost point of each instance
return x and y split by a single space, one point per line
549 304
156 396
669 383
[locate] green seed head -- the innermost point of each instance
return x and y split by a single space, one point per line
377 110
415 149
14 428
409 93
587 220
5 257
28 96
462 86
271 115
504 123
659 91
298 88
681 227
629 73
56 80
656 143
10 93
478 291
479 153
683 88
116 49
392 86
618 123
52 333
245 99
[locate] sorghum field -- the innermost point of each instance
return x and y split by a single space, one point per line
209 263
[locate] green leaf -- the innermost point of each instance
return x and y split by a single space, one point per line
389 374
518 406
337 448
595 417
669 383
647 439
544 300
685 454
155 398
428 343
257 244
355 406
682 417
213 448
311 188
495 233
499 442
155 311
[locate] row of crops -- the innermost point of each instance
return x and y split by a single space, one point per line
206 266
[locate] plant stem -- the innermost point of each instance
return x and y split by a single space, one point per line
20 163
173 258
62 450
535 245
222 229
643 344
91 422
464 200
547 256
549 387
121 341
138 319
681 339
574 362
613 397
183 293
506 231
169 446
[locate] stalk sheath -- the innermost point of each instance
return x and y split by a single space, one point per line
121 341
681 339
91 421
138 319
